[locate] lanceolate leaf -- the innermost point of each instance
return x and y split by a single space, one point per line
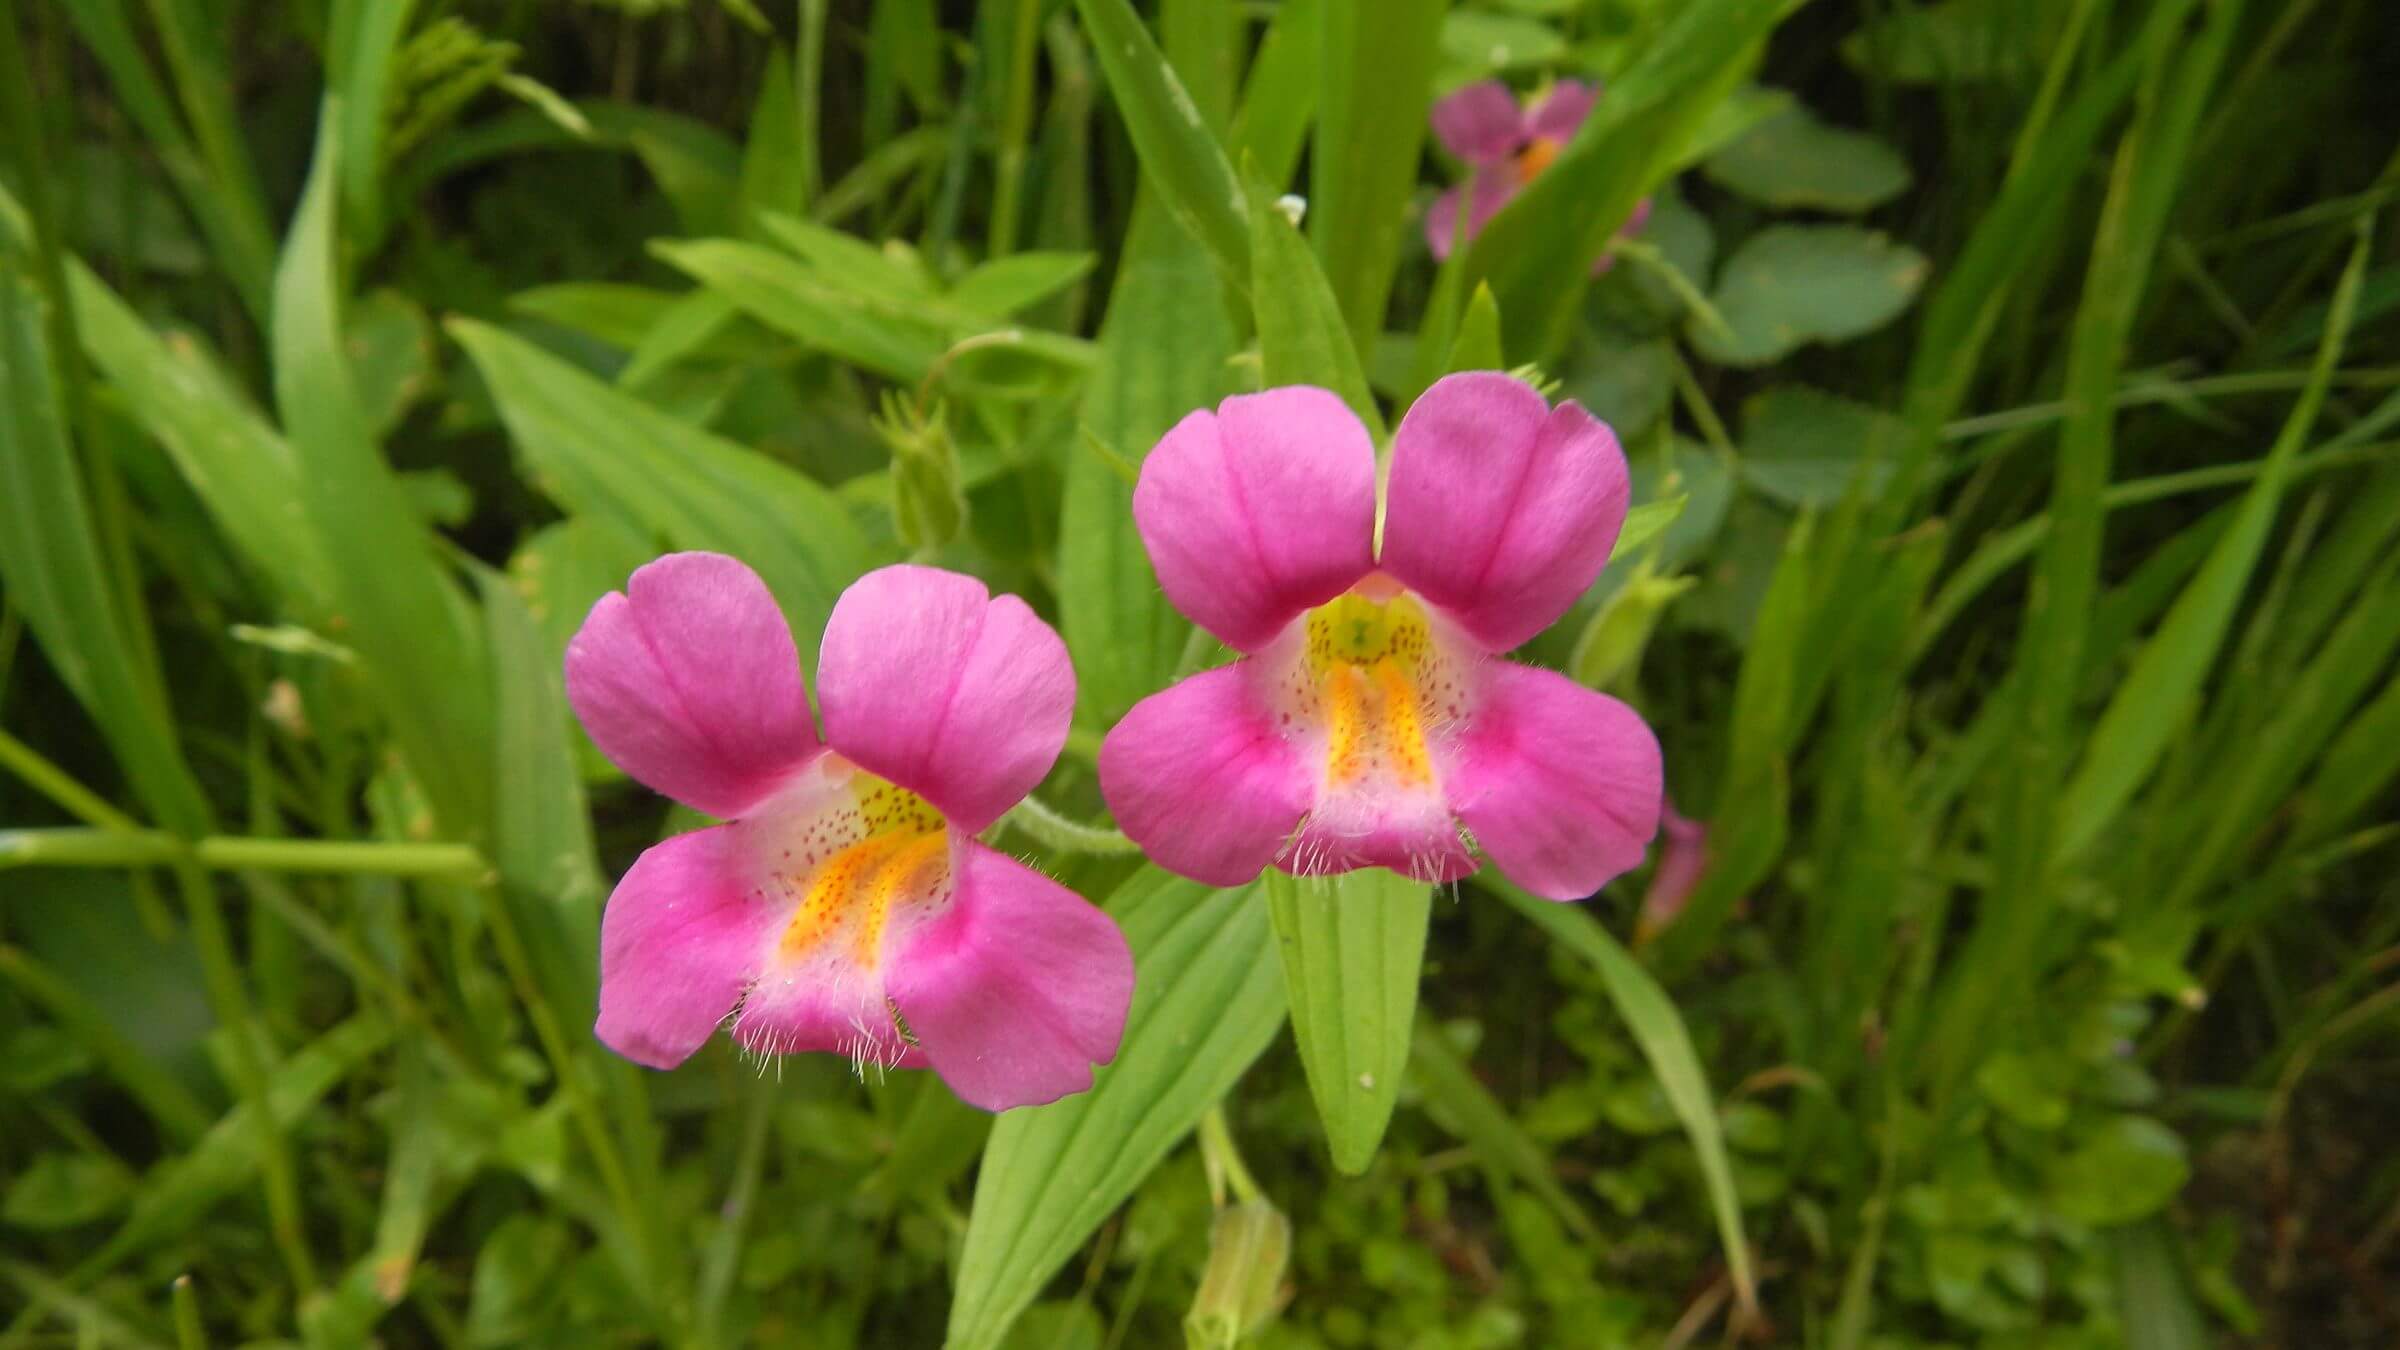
1206 1001
602 451
1352 947
1180 156
1301 339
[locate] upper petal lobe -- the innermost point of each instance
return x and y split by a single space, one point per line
1480 123
1561 786
1259 510
1501 509
929 681
1199 777
689 681
1016 989
1560 115
680 940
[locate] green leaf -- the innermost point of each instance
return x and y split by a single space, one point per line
1206 1002
2154 1302
1163 349
1352 947
1794 160
1793 284
1280 100
64 1190
1468 1108
2124 1169
1301 339
1181 159
891 339
1477 43
180 1190
2158 693
1650 1015
1951 41
1538 252
604 452
402 614
1807 448
1021 280
1376 61
1477 346
1645 523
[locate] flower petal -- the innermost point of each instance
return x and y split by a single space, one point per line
1560 115
1199 777
931 682
1259 510
679 940
1017 989
794 1009
1492 189
1561 786
1414 843
1501 510
1480 123
688 680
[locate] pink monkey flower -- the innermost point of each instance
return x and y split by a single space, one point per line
845 904
1370 722
1504 147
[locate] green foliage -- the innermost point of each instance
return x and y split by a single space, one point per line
2014 535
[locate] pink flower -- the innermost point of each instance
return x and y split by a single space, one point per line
1368 724
1504 148
1681 864
845 905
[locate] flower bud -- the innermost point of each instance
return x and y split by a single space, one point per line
1249 1246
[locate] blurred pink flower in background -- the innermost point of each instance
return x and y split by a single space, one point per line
1505 147
845 904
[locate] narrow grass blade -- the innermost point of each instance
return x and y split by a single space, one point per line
1376 60
1351 948
1183 161
2159 691
1301 339
1650 1015
1488 1128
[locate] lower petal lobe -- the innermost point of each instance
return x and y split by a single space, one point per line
1016 989
680 940
1200 777
1561 786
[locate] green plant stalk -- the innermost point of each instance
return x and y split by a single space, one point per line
1054 830
59 786
72 847
1024 27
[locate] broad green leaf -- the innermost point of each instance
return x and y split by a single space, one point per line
1301 339
1003 286
1804 447
1477 346
1789 285
1650 1015
1206 1002
1624 380
401 612
1376 59
1794 160
1182 161
891 339
1163 349
2126 1168
1477 43
1352 947
2166 677
604 452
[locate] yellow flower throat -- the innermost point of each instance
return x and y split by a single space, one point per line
899 852
1367 656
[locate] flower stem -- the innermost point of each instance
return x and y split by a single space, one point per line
150 848
1223 1161
1056 831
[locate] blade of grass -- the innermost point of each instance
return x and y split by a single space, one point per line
1488 1128
1376 61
